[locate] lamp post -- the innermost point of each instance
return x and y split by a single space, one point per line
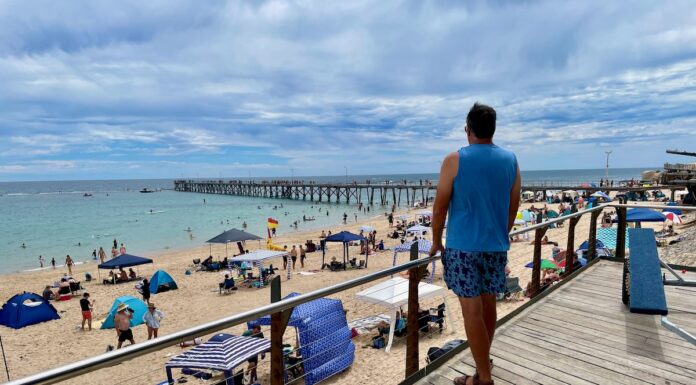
292 173
606 171
346 167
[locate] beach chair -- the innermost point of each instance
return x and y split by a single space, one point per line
512 289
75 288
437 316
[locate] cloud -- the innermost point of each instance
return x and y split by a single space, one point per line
378 87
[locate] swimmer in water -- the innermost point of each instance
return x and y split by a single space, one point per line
150 211
23 246
188 229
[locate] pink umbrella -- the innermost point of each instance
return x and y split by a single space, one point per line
672 217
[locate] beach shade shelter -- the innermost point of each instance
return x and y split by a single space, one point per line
232 235
324 337
257 257
26 309
642 215
344 237
222 352
423 248
124 260
160 280
393 293
417 229
424 214
366 228
139 308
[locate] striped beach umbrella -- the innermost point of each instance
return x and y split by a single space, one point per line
672 217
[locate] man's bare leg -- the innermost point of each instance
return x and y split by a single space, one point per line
490 315
477 334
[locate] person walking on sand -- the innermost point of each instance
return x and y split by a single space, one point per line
69 263
303 255
146 290
53 262
41 261
293 256
122 250
122 321
102 254
480 187
152 319
87 307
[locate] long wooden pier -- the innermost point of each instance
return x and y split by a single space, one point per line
382 193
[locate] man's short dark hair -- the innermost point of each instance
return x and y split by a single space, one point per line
481 121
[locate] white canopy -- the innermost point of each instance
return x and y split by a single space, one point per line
417 229
425 213
259 255
393 293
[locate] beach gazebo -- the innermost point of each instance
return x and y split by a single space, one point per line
344 237
393 294
123 260
424 214
640 214
257 257
424 246
232 235
417 229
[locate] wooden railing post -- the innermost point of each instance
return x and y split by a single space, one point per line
536 268
279 322
412 318
621 234
592 247
570 248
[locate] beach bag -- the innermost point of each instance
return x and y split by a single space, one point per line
378 342
434 353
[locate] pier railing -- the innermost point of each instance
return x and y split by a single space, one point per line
279 310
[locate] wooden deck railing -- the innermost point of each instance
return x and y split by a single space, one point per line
280 310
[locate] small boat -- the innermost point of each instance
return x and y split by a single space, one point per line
86 195
146 191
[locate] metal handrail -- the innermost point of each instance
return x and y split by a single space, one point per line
75 369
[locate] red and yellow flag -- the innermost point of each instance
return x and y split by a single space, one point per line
272 223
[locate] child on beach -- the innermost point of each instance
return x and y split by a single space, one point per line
87 306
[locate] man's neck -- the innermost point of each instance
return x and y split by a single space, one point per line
481 141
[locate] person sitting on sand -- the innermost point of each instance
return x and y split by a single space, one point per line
131 274
122 276
545 241
207 261
48 294
227 284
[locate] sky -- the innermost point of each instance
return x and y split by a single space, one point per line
165 89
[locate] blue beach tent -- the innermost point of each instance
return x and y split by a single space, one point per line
26 309
159 279
325 338
139 308
124 260
345 237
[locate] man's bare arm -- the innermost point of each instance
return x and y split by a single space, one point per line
448 171
514 199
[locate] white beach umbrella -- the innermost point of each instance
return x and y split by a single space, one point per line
366 228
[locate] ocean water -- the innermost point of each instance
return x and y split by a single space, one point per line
54 219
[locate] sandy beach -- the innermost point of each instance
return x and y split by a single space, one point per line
46 345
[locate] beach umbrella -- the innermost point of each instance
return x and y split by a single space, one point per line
600 194
403 217
643 215
368 229
519 215
344 237
672 217
519 221
545 264
527 216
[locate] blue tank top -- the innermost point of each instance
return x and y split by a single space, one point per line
478 210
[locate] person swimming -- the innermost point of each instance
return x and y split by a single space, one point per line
24 246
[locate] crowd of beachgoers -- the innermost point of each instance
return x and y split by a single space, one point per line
206 293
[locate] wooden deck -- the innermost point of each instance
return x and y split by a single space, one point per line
583 334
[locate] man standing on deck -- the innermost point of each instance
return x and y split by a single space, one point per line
480 187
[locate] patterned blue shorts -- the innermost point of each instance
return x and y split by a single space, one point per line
470 274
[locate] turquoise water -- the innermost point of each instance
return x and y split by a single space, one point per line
52 218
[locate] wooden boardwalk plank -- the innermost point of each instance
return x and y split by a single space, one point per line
582 334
